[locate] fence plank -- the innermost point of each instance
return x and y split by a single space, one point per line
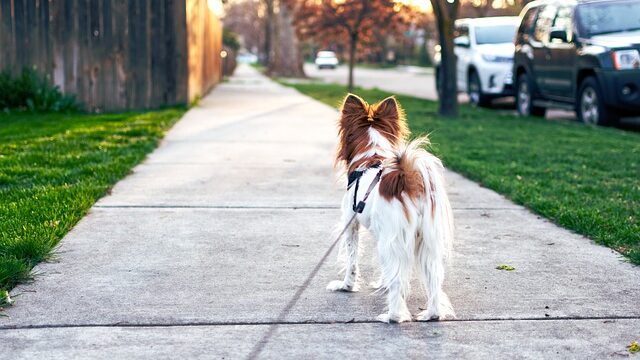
114 54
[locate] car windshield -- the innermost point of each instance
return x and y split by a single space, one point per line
326 54
608 17
497 34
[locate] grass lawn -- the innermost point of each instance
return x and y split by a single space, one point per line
586 179
53 167
374 66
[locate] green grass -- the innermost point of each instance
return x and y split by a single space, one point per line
376 66
586 179
53 167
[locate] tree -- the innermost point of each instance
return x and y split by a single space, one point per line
483 8
285 58
266 28
445 12
354 20
246 18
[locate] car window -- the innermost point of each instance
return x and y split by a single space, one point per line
461 32
497 34
326 54
608 17
563 21
528 20
543 24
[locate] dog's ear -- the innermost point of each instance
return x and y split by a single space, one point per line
388 109
353 104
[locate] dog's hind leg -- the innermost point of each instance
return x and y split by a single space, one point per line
431 274
350 249
396 260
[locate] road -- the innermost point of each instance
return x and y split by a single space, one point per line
407 80
420 82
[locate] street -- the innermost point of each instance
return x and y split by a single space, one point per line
420 82
407 80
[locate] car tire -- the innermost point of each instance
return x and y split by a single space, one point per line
524 98
474 90
590 107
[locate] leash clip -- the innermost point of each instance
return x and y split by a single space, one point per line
359 208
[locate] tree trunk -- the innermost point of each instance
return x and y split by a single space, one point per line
286 55
268 31
448 101
353 43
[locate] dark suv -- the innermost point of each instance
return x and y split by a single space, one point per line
579 55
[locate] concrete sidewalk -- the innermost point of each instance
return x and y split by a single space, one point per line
217 247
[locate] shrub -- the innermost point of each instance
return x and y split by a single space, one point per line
32 92
230 39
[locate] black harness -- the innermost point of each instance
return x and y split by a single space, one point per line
354 177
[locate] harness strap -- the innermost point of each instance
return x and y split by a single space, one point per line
354 176
359 207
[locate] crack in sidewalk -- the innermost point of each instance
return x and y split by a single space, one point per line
311 207
305 322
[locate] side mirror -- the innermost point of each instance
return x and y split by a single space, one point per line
558 36
462 41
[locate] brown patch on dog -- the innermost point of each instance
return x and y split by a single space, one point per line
403 178
366 162
357 116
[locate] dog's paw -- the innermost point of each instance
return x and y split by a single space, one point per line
435 315
376 284
394 318
339 285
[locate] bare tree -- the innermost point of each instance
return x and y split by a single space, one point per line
268 29
285 59
246 18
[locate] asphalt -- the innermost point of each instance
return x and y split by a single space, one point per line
219 246
420 82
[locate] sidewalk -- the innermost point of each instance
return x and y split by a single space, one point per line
216 247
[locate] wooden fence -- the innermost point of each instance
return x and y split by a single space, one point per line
115 54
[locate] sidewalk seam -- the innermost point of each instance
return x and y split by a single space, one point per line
313 207
276 323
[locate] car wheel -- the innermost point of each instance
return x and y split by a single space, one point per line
590 108
474 89
524 98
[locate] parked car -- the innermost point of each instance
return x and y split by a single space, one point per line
484 51
579 55
326 59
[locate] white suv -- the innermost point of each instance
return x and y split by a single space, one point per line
484 50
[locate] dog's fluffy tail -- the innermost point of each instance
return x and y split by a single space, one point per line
435 238
437 224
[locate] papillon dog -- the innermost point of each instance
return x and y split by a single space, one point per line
406 208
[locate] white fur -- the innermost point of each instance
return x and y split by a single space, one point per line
417 242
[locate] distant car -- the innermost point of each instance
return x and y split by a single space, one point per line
484 51
247 58
326 59
579 55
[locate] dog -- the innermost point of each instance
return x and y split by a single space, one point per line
406 207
